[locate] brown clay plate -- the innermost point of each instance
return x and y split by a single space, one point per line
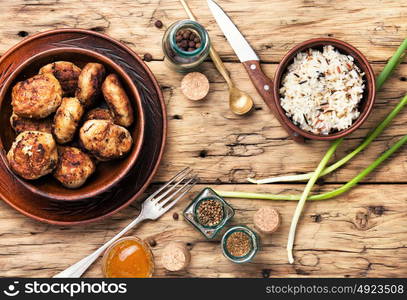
108 173
133 185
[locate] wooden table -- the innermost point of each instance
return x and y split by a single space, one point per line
360 234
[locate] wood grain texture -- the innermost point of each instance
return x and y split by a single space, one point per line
360 234
260 80
272 27
227 148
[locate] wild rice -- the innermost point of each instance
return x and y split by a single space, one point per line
321 91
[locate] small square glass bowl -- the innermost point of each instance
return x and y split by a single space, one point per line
255 244
190 213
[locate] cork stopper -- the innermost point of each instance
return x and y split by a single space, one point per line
267 220
195 86
175 256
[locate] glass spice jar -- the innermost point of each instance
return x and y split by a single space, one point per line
240 244
185 59
208 213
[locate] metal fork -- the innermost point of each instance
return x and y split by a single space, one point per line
152 208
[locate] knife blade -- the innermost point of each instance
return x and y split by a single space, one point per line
264 85
239 44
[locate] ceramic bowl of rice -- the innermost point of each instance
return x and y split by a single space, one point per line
324 89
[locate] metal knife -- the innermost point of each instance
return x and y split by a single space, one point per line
250 60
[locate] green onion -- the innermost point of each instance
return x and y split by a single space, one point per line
393 62
304 197
381 79
379 129
325 196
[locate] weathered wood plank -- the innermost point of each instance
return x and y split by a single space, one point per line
226 148
361 234
272 27
231 148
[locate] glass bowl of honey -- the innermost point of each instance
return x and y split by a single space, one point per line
128 257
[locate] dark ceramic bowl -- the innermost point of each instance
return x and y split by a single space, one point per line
107 174
366 104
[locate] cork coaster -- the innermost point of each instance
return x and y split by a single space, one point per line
175 256
267 220
195 86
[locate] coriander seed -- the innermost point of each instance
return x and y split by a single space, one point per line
210 212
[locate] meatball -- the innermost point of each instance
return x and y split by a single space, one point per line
67 74
37 97
105 140
67 119
89 83
74 167
33 154
99 114
117 100
20 124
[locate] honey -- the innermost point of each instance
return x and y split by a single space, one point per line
128 258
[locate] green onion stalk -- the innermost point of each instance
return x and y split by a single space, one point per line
381 79
313 177
304 197
324 196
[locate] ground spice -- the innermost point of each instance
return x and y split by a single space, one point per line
238 244
210 212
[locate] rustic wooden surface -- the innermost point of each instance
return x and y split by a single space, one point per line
360 234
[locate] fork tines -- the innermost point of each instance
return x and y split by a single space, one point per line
174 190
